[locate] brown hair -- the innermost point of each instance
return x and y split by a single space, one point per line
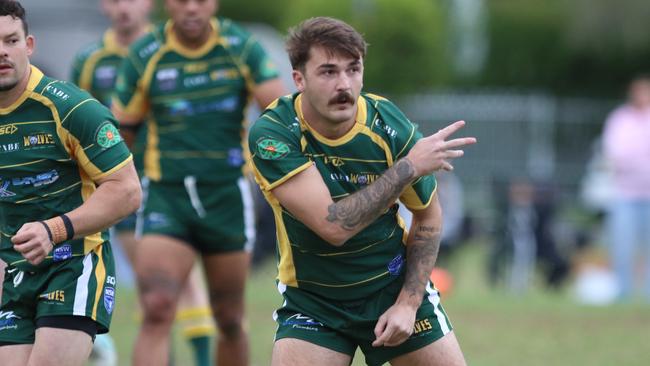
15 10
335 36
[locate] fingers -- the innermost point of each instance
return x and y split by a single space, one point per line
380 327
31 251
459 142
449 130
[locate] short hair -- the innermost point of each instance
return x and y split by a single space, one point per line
335 36
15 10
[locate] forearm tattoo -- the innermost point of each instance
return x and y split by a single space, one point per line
364 206
421 254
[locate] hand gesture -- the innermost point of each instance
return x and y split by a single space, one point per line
33 242
394 326
434 152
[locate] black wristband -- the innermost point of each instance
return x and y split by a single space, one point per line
49 232
69 229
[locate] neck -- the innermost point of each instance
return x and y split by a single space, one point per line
125 37
194 42
329 129
8 97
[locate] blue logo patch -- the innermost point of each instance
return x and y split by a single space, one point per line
109 299
62 252
395 265
235 157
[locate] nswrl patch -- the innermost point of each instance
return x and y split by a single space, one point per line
109 299
271 149
107 135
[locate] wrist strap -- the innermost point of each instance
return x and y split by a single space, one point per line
69 229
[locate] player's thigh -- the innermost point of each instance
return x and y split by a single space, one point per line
195 292
15 354
55 346
443 352
162 265
226 274
296 352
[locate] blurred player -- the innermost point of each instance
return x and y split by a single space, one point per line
191 80
95 69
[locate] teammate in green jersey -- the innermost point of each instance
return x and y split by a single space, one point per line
332 161
95 70
66 176
191 79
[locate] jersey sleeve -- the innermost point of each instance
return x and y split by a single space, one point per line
94 140
404 134
261 66
275 151
129 100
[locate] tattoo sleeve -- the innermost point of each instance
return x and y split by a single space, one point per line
421 254
361 208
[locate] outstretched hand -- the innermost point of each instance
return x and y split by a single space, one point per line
434 152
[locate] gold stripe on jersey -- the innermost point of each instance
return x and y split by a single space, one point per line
100 277
195 94
359 124
286 267
29 123
347 284
413 201
22 164
152 152
343 158
379 141
358 250
87 188
111 47
399 154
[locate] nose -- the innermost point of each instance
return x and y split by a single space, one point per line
343 82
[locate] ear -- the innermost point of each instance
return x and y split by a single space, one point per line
29 41
299 80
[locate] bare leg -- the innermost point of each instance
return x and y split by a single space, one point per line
443 352
54 347
296 352
15 355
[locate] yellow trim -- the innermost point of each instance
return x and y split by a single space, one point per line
5 234
113 169
22 164
29 123
376 97
358 250
402 224
209 62
35 77
176 45
286 267
289 175
111 45
359 123
407 141
409 196
100 276
110 48
192 313
199 93
152 153
346 285
379 141
199 331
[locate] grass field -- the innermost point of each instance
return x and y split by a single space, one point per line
493 327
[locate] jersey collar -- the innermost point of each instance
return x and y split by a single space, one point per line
175 44
359 123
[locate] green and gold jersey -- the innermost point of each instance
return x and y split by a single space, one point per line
55 141
194 100
95 70
282 145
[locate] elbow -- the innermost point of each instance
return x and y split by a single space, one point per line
335 237
133 197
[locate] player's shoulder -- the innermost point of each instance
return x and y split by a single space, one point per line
64 96
89 49
387 116
232 34
280 115
147 45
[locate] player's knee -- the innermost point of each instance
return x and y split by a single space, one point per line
230 327
158 301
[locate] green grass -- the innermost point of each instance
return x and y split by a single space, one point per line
493 327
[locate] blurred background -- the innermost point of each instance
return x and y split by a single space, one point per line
524 266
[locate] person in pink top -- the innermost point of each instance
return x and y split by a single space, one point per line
626 144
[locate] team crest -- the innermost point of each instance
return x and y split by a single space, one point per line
109 299
270 149
107 135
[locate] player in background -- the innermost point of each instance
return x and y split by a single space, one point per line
95 70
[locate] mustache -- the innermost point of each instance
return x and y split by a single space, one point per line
342 97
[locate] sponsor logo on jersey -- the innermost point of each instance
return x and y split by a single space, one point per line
105 76
355 178
421 325
11 147
271 149
195 67
395 265
109 299
38 140
107 135
167 78
224 74
304 322
54 296
235 157
389 130
8 320
57 92
148 49
231 40
62 252
8 129
196 80
334 160
185 108
37 180
4 192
